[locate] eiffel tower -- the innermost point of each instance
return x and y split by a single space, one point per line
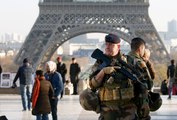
60 20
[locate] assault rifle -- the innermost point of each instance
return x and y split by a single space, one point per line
123 67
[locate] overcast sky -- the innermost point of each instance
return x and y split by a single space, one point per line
18 16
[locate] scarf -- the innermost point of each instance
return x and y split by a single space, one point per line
35 92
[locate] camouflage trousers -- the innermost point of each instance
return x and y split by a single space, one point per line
126 112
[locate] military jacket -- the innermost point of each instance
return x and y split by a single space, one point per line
141 67
116 89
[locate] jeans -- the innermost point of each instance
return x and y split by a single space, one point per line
53 103
42 117
170 87
25 91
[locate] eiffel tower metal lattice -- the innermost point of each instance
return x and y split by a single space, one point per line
60 20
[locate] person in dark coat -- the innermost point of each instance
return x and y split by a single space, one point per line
61 68
25 75
164 88
74 73
171 76
41 95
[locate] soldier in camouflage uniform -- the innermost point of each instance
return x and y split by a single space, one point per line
140 91
115 93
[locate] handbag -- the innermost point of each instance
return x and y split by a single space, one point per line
34 111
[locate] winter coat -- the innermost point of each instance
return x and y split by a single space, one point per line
46 92
24 74
56 81
61 68
74 72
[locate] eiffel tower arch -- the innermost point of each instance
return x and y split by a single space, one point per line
61 20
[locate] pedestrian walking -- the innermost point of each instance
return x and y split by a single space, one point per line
25 73
171 76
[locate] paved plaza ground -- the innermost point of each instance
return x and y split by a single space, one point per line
70 109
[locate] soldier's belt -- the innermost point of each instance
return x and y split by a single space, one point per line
107 94
113 105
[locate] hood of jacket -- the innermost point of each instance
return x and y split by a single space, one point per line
52 66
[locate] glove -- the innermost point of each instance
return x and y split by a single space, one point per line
108 70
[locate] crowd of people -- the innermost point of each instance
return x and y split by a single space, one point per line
40 94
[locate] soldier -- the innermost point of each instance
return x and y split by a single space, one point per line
114 93
140 91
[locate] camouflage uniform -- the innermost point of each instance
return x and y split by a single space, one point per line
115 93
141 91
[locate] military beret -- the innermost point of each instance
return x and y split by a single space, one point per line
112 38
